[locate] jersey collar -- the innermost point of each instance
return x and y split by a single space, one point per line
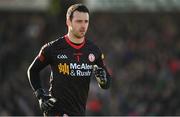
72 44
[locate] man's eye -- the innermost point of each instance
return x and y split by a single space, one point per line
79 21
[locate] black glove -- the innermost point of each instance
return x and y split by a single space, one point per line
100 75
46 102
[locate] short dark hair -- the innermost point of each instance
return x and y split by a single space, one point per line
76 7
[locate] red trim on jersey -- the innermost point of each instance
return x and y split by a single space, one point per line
72 44
41 58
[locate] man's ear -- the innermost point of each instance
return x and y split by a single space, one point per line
68 22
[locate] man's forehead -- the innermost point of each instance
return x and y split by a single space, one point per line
80 15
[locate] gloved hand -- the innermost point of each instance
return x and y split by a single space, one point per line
46 102
100 75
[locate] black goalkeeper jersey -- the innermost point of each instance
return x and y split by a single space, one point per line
71 70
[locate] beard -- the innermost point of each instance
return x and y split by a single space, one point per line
79 34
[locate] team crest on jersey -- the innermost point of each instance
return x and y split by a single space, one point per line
91 57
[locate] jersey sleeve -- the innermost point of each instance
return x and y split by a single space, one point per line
44 54
101 63
40 62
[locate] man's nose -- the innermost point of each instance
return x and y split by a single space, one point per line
83 24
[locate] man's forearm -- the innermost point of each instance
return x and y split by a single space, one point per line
34 79
33 74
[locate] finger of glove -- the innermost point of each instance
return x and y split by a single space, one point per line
45 106
46 97
100 74
98 79
102 80
50 103
98 70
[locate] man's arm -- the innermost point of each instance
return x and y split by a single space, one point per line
40 62
34 73
101 73
46 102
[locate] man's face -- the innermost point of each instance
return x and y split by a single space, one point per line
79 24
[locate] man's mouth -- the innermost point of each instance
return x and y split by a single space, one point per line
82 30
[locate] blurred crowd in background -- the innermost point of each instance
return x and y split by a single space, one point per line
142 50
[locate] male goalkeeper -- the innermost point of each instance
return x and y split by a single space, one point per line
73 59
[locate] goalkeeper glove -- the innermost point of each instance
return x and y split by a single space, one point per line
46 102
100 75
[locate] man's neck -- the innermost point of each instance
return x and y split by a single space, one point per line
74 39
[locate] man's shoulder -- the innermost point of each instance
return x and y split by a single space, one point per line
92 45
56 42
59 42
